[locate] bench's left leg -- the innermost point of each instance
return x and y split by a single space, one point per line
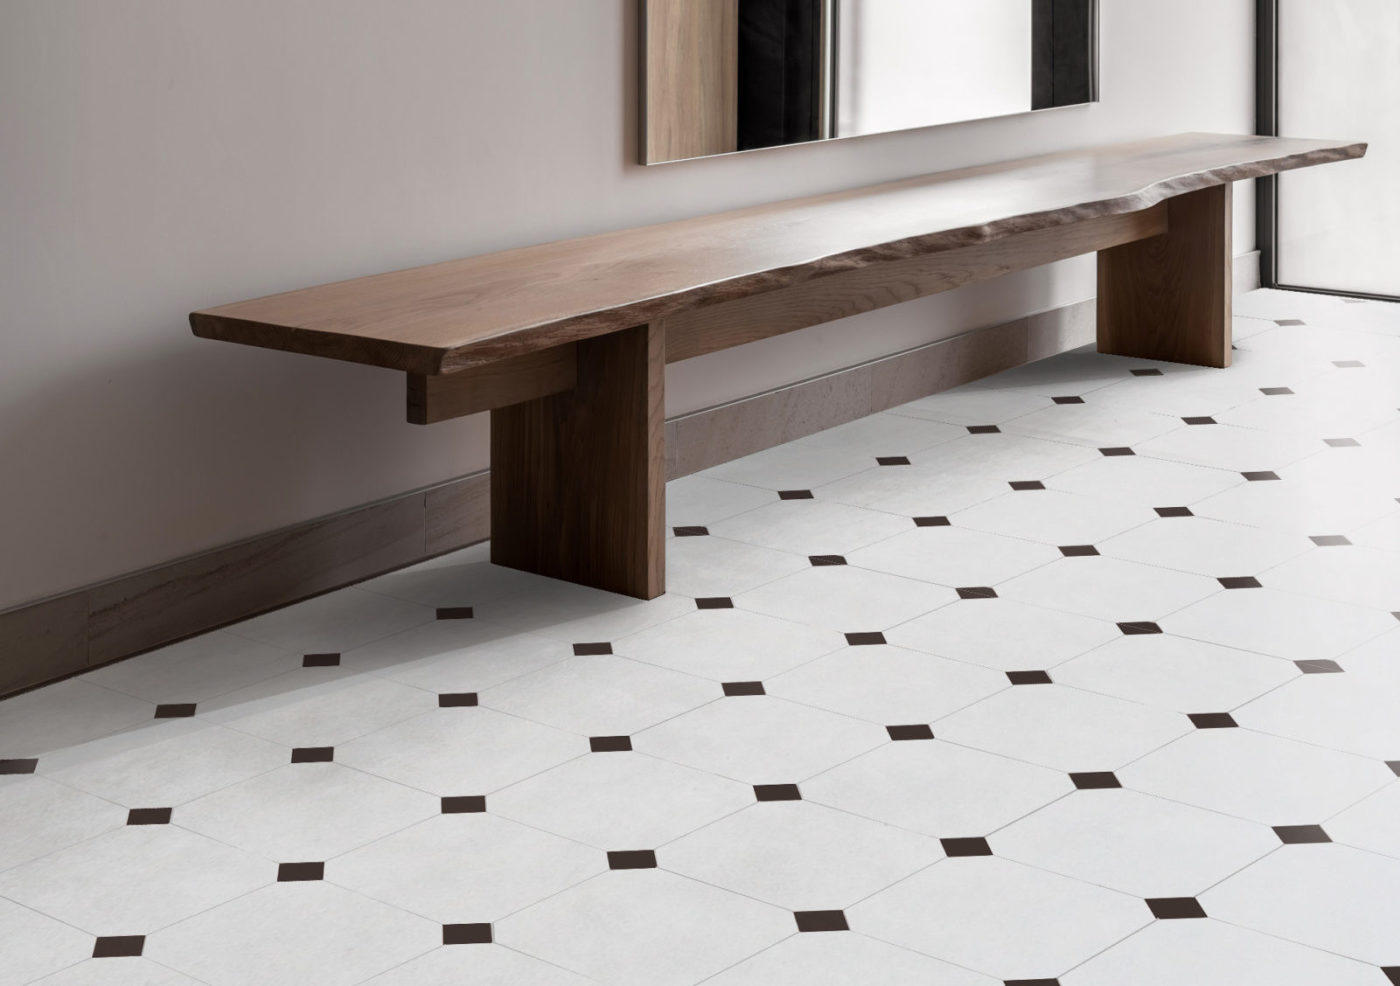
1168 297
578 482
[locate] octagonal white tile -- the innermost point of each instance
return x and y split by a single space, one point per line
36 945
195 670
38 816
718 566
838 960
811 527
954 556
1206 547
730 645
1283 624
477 965
1004 634
456 655
845 598
1056 518
1109 589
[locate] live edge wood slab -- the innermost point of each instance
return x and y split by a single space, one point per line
565 343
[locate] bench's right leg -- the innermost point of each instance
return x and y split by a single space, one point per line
578 480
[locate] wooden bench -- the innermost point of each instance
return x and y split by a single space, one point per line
566 343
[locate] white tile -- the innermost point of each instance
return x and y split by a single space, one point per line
614 800
717 566
1213 953
465 868
790 467
1349 907
1004 634
164 763
1380 655
1283 624
839 960
1353 711
1176 673
317 706
913 491
800 856
760 739
1373 824
1063 728
811 527
954 556
574 613
729 645
38 816
1004 456
135 879
441 751
645 928
1094 424
477 965
461 578
1056 518
1074 373
975 912
887 685
1350 574
603 695
1304 508
1109 589
1179 395
36 945
124 971
883 434
1206 547
1265 779
195 670
1136 843
1382 533
966 406
294 933
1229 447
307 812
337 621
937 788
1315 415
457 655
65 714
700 500
1145 480
845 598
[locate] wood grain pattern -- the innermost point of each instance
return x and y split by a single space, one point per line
1169 298
578 485
510 381
732 323
690 78
43 641
450 316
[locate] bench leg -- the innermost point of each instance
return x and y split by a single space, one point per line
578 483
1168 297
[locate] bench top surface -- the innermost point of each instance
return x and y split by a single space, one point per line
462 313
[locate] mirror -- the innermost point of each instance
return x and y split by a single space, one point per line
733 75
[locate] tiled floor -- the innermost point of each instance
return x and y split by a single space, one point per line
1095 683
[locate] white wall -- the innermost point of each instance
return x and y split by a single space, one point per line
165 155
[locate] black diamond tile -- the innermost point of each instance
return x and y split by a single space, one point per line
932 522
1029 677
1078 550
865 639
592 650
1174 512
1297 835
777 792
1175 908
892 460
1396 615
1289 321
1212 720
1240 582
22 766
736 688
455 613
983 430
1116 451
1151 372
794 494
179 710
920 731
1139 628
1068 400
1262 476
466 934
299 872
821 921
464 804
1096 780
1027 485
1200 421
1392 972
118 946
456 700
320 661
1394 766
1342 442
1031 982
1275 391
1329 540
1319 666
824 561
977 592
1348 364
632 859
149 816
690 532
714 602
610 744
313 754
976 846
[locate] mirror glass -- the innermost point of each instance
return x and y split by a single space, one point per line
735 75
